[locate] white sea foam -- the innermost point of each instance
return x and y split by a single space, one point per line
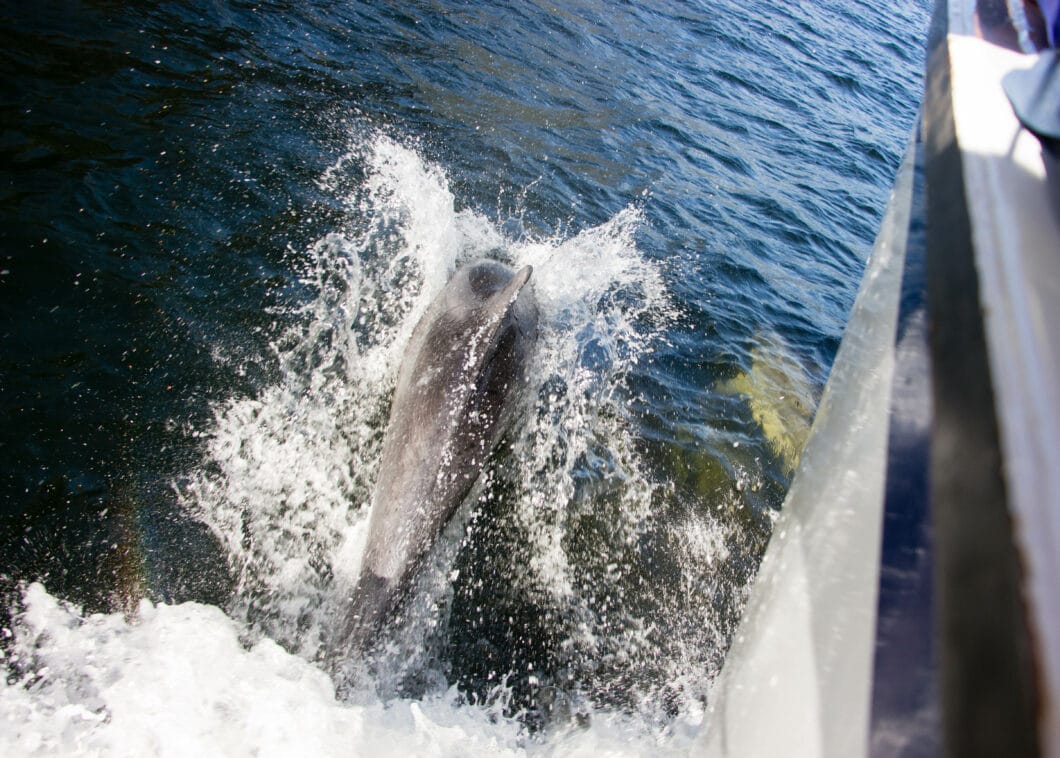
285 487
177 681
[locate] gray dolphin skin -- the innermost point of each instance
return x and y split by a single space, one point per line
460 375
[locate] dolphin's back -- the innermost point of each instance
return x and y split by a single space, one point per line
465 361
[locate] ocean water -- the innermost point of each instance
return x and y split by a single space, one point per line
221 222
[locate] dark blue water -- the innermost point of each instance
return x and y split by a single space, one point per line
163 200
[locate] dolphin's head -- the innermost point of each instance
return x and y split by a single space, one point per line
487 279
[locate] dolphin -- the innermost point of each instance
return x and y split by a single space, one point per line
455 397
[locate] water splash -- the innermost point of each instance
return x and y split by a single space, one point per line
178 681
565 587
